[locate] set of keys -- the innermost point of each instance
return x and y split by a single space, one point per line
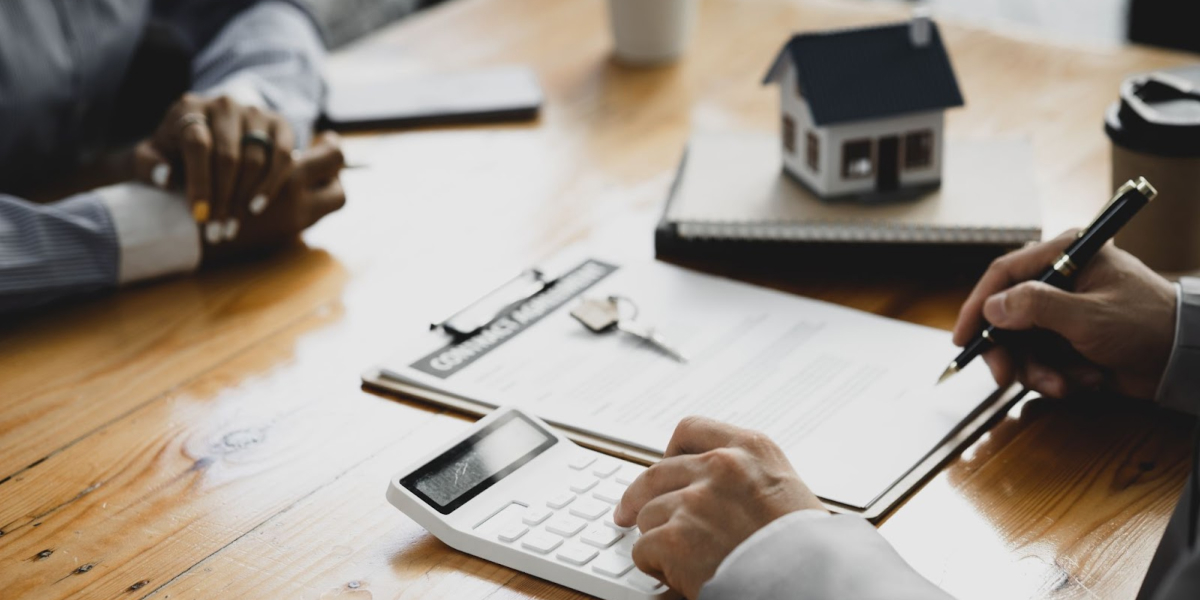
617 313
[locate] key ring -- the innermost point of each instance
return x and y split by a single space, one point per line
623 300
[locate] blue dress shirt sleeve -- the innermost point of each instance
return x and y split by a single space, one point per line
268 56
48 251
111 236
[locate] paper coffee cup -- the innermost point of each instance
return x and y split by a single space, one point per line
1155 133
651 32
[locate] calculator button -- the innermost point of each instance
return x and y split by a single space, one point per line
541 542
535 515
589 509
576 555
605 467
609 492
609 522
613 565
629 473
512 532
583 483
624 546
644 582
582 461
560 500
601 537
565 525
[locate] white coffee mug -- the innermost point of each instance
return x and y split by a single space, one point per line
651 32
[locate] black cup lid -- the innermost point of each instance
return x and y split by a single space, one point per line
1159 113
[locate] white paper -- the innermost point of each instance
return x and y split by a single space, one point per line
849 396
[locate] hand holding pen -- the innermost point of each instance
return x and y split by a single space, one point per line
1113 330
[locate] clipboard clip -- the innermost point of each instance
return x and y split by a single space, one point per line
477 315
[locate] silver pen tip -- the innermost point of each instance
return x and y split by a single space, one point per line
950 370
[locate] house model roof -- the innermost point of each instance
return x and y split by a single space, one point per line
860 74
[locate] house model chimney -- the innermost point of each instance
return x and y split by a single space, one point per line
919 30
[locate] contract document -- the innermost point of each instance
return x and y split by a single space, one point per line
848 395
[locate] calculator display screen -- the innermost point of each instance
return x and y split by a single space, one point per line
478 462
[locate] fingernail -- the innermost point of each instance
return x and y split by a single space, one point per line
996 308
213 232
161 175
231 229
258 204
200 211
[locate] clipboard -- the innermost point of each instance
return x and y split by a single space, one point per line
476 315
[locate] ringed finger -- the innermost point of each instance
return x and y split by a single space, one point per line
253 169
281 165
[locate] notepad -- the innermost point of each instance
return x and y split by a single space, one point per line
732 187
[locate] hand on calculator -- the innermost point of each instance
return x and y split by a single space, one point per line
716 486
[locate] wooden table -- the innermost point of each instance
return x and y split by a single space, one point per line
207 437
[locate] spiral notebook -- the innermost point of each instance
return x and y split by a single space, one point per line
731 187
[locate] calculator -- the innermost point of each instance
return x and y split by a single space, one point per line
514 491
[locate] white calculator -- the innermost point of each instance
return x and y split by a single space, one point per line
515 492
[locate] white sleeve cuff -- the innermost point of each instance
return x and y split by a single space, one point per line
155 231
1180 385
783 522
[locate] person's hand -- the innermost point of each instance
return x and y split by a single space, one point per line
312 191
235 160
717 485
1113 332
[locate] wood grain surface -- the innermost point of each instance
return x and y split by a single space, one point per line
206 437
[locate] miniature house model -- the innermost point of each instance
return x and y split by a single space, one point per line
862 109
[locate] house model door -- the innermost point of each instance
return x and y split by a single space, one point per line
888 172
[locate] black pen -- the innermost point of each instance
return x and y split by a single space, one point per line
1128 200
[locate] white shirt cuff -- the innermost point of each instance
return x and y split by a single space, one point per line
155 231
1180 385
783 522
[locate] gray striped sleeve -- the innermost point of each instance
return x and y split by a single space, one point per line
53 250
271 52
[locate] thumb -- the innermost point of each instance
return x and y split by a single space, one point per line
1035 304
150 166
329 198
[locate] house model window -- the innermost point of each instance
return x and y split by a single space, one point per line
918 149
789 134
856 159
876 98
812 151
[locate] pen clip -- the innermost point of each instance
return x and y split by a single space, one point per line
1142 186
475 316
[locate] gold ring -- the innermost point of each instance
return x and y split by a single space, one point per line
191 119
